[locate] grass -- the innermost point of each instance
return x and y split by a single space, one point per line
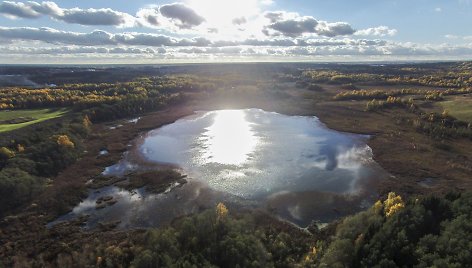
460 108
35 116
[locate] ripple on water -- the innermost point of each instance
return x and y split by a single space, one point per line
292 165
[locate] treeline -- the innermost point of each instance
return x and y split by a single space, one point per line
456 77
82 96
424 232
19 98
363 94
432 95
390 102
131 107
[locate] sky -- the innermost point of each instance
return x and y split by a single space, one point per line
141 31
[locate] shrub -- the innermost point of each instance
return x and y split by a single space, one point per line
16 187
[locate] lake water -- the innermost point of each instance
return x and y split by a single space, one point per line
292 166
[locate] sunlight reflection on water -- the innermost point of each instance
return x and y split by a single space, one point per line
229 140
291 165
252 153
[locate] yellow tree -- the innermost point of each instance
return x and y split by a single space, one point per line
393 204
6 153
221 211
64 140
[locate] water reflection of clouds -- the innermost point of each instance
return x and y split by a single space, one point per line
292 163
250 153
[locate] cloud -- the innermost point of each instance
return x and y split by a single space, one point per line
91 16
377 31
274 16
346 49
457 37
49 35
212 30
331 29
451 36
267 2
149 16
294 25
176 17
185 16
167 16
96 38
100 38
18 9
103 16
47 41
239 21
438 9
47 8
80 50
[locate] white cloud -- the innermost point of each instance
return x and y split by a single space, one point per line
451 36
181 15
267 2
458 37
149 17
192 33
438 9
349 50
294 25
377 31
91 16
80 50
18 9
47 41
96 38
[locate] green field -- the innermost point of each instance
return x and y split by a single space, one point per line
460 108
37 115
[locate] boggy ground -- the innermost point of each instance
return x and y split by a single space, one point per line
409 156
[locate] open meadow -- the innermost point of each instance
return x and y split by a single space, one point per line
16 119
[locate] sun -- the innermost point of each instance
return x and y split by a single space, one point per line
222 12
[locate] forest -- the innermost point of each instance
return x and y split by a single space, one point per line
46 161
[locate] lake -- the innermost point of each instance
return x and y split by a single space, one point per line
291 166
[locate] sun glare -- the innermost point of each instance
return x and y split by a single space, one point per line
230 139
222 12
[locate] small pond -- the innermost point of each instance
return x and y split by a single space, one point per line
292 166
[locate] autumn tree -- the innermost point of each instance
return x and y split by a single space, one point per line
64 141
393 204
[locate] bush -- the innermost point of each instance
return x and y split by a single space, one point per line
16 188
